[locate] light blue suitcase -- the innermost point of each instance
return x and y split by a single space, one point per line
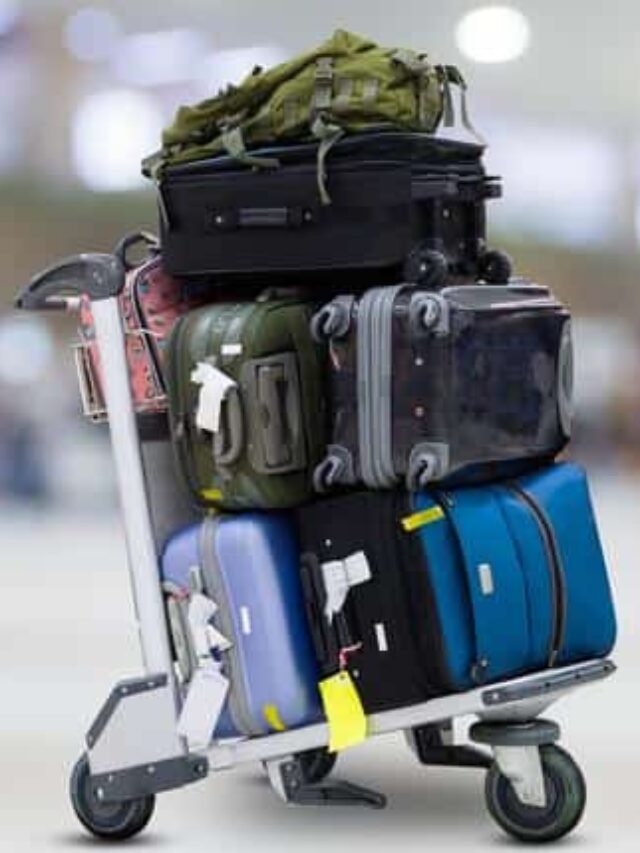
249 565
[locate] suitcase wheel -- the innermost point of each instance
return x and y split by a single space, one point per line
332 321
327 474
109 821
565 793
423 471
426 267
495 267
426 312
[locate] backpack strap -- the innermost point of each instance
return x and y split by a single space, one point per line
233 142
420 68
328 134
323 91
448 75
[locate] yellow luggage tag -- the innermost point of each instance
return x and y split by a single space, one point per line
420 519
343 710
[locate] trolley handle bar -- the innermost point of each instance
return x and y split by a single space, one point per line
99 276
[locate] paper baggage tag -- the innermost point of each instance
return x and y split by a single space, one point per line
215 385
203 706
339 576
343 710
205 636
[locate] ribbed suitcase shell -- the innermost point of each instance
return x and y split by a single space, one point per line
483 389
249 565
469 597
391 194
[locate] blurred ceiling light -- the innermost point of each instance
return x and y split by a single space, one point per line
231 66
112 131
26 349
159 58
493 34
91 33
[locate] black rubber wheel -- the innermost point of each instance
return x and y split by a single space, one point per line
566 798
426 267
496 267
317 764
109 821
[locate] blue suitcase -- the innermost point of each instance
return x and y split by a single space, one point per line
465 587
249 566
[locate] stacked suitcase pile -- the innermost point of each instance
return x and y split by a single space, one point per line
406 429
365 408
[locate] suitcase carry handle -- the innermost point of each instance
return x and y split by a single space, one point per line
138 238
259 217
277 428
99 276
229 442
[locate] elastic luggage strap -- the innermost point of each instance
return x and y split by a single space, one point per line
382 421
375 386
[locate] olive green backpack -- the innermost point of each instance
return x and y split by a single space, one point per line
347 85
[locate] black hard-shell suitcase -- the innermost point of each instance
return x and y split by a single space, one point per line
469 383
406 203
383 614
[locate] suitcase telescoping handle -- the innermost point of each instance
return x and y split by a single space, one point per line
99 276
272 393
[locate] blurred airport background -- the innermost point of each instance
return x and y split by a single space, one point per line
86 88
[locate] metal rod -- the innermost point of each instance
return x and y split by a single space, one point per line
224 755
143 565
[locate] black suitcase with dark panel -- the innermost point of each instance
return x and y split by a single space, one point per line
467 384
407 205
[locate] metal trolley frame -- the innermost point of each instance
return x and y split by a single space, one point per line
133 748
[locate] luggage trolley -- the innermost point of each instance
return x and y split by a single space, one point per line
534 789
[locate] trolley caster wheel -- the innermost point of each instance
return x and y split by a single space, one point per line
109 821
566 796
317 764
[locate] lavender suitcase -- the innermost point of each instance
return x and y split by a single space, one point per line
249 565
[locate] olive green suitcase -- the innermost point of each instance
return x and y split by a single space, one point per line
268 432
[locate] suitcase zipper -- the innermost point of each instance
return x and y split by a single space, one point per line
556 571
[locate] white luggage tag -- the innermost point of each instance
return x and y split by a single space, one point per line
203 705
205 637
340 576
215 385
208 689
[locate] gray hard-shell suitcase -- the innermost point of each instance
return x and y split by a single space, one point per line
470 383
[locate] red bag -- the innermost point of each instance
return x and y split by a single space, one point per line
150 302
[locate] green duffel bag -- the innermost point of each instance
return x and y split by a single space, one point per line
246 403
349 84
